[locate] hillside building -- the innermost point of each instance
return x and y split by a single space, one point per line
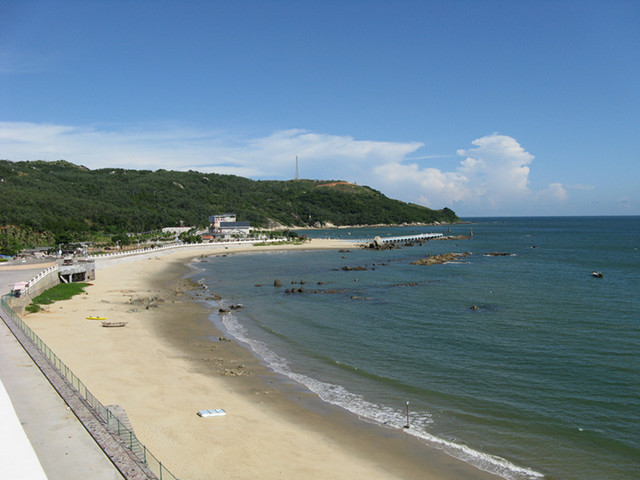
215 220
225 226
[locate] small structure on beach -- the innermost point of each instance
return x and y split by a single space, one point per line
76 270
17 288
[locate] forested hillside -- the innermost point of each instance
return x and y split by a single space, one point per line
71 200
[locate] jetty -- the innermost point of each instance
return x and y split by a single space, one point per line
384 243
401 239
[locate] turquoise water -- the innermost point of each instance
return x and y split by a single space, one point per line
541 380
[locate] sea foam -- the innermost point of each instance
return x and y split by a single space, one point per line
379 414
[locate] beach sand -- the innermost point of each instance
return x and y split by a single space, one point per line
168 362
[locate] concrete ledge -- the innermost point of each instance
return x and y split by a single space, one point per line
19 460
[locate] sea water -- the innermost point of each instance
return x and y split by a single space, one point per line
524 364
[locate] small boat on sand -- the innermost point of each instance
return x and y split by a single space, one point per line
95 317
114 324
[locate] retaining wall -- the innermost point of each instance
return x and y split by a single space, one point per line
43 281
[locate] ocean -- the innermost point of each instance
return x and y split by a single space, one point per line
522 364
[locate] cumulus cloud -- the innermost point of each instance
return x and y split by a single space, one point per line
426 186
491 178
497 168
554 193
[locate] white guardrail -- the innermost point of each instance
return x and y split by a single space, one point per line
31 283
181 245
39 277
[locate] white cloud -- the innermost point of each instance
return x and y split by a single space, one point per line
321 156
497 168
555 193
492 178
426 186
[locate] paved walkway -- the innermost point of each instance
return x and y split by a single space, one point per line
17 457
52 441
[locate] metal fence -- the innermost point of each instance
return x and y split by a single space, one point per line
115 424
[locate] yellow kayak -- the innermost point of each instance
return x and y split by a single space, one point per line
93 317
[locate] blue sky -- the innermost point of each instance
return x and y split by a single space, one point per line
487 107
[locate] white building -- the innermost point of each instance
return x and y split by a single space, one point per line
226 226
215 220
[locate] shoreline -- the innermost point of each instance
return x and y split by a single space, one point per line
167 364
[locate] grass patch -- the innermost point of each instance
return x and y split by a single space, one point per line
63 291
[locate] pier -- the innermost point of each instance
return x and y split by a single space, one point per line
403 239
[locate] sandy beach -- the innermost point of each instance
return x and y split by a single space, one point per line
169 362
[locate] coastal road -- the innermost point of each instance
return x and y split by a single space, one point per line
56 444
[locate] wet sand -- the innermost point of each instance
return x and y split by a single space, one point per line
168 362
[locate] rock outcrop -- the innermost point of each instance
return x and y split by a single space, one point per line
438 259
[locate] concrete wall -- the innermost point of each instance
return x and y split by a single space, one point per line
41 282
81 270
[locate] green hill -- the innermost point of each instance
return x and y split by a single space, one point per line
71 200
